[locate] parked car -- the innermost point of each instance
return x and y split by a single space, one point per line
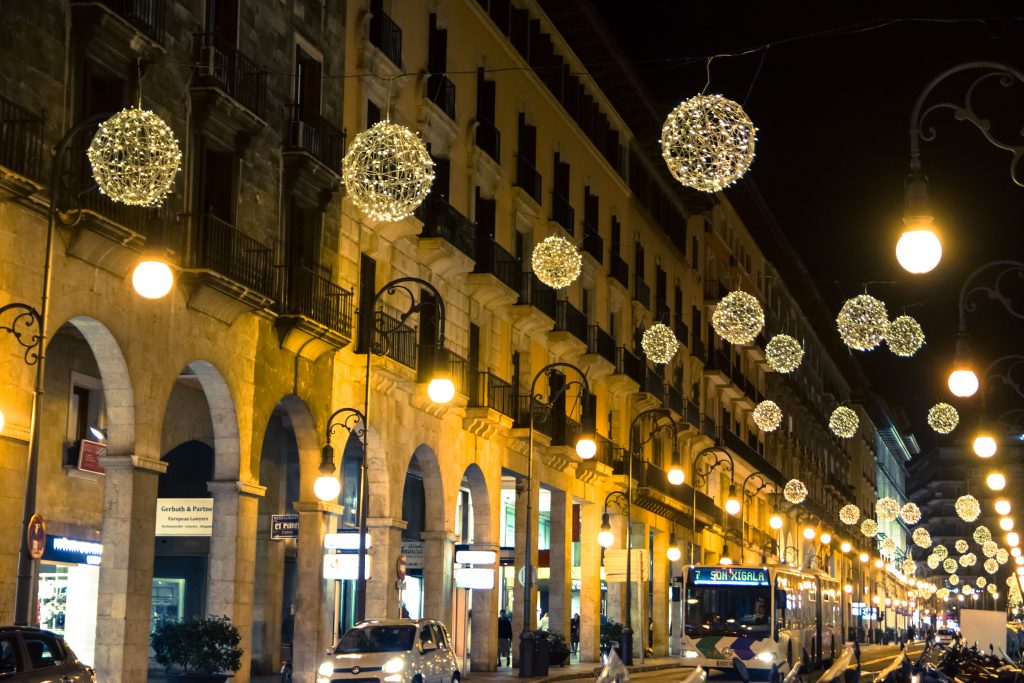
32 655
944 636
393 651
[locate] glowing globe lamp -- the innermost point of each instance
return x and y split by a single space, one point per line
732 504
919 251
442 390
586 448
327 487
1005 523
845 547
152 279
775 522
809 533
996 481
963 382
1013 539
676 476
984 446
863 557
1003 507
673 553
605 538
826 538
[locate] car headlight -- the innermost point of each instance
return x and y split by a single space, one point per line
393 666
766 657
690 654
326 669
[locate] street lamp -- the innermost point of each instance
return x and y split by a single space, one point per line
763 481
1003 507
551 371
327 486
996 481
699 479
662 421
984 446
673 553
440 389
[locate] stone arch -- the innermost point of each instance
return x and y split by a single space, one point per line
307 440
437 516
481 501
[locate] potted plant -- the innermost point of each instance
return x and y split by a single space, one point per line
198 649
611 636
558 652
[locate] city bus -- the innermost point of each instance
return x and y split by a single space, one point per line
765 616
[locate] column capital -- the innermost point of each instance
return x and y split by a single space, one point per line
232 486
127 461
448 536
486 546
318 506
386 523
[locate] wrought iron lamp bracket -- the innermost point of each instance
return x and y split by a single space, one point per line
26 326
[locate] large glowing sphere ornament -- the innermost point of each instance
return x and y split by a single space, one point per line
887 509
783 353
967 508
909 567
910 513
949 564
961 545
968 560
843 422
152 279
989 548
869 527
888 546
849 514
984 446
933 561
1003 555
795 491
387 171
708 142
556 262
862 322
135 157
963 382
982 535
919 251
659 343
943 418
767 416
941 551
981 581
738 317
921 537
904 336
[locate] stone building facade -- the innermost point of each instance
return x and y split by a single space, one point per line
221 392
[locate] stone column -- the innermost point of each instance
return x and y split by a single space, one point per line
438 563
313 618
268 596
590 583
484 627
518 598
639 606
382 600
660 607
560 582
616 589
230 571
125 597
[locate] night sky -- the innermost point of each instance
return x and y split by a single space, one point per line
832 153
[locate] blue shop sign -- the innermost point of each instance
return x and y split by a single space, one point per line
72 550
728 576
284 526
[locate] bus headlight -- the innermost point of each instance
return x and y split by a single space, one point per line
766 657
690 654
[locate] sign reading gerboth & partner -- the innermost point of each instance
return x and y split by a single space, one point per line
184 516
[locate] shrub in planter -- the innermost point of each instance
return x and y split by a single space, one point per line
559 650
611 635
200 649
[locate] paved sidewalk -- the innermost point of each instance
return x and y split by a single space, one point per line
575 671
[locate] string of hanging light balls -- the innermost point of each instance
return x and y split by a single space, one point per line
843 422
862 322
783 353
904 336
767 416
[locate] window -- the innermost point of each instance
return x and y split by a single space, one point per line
439 638
101 91
372 113
43 650
9 656
86 412
308 71
487 136
216 181
426 637
486 215
561 209
222 22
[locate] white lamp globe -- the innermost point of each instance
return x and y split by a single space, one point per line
673 553
775 522
732 506
1013 540
963 383
327 487
919 251
826 538
152 279
605 539
676 476
984 446
996 481
586 448
809 533
1 421
1005 523
441 390
1003 507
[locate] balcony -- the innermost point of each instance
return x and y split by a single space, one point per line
661 309
542 422
315 315
708 427
676 402
21 149
441 221
629 364
693 414
750 454
229 272
144 16
488 139
441 92
494 393
312 156
535 293
619 269
496 278
569 319
601 343
593 244
681 331
386 36
562 212
393 337
699 351
227 68
653 384
528 178
714 291
458 367
642 292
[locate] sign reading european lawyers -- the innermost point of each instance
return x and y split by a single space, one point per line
184 516
284 526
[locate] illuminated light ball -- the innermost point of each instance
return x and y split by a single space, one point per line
738 317
991 588
387 171
775 522
910 513
888 546
933 561
919 250
1003 507
942 593
991 566
887 509
966 589
921 537
673 553
968 560
849 514
783 353
909 567
327 488
941 551
949 564
963 383
659 343
985 446
135 157
795 491
967 508
862 322
989 548
1005 523
442 390
556 262
845 546
904 336
809 534
1002 556
152 279
869 527
1013 539
767 416
982 535
996 481
676 476
961 545
981 581
943 418
1015 550
954 579
844 422
708 142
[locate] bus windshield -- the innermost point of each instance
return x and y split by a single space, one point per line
727 609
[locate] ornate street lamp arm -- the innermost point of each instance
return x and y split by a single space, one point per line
26 327
1006 377
349 419
964 111
663 421
416 305
723 458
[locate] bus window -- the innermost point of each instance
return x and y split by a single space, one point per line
727 611
780 610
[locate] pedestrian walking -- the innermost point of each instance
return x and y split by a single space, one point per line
574 634
504 638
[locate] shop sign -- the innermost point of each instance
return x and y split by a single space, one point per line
413 551
284 526
184 516
474 577
89 454
72 550
36 536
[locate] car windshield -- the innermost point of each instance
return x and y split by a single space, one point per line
945 632
376 638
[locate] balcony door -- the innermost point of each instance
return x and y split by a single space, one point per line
308 74
222 22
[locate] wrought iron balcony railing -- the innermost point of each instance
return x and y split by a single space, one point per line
562 212
441 219
593 244
619 268
314 296
488 138
441 91
386 36
528 177
312 133
495 393
21 140
601 343
492 258
222 247
642 291
145 15
534 293
569 319
226 67
629 364
393 338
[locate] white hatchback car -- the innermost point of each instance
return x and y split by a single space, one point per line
392 651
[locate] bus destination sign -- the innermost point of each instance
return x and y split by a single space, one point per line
728 576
